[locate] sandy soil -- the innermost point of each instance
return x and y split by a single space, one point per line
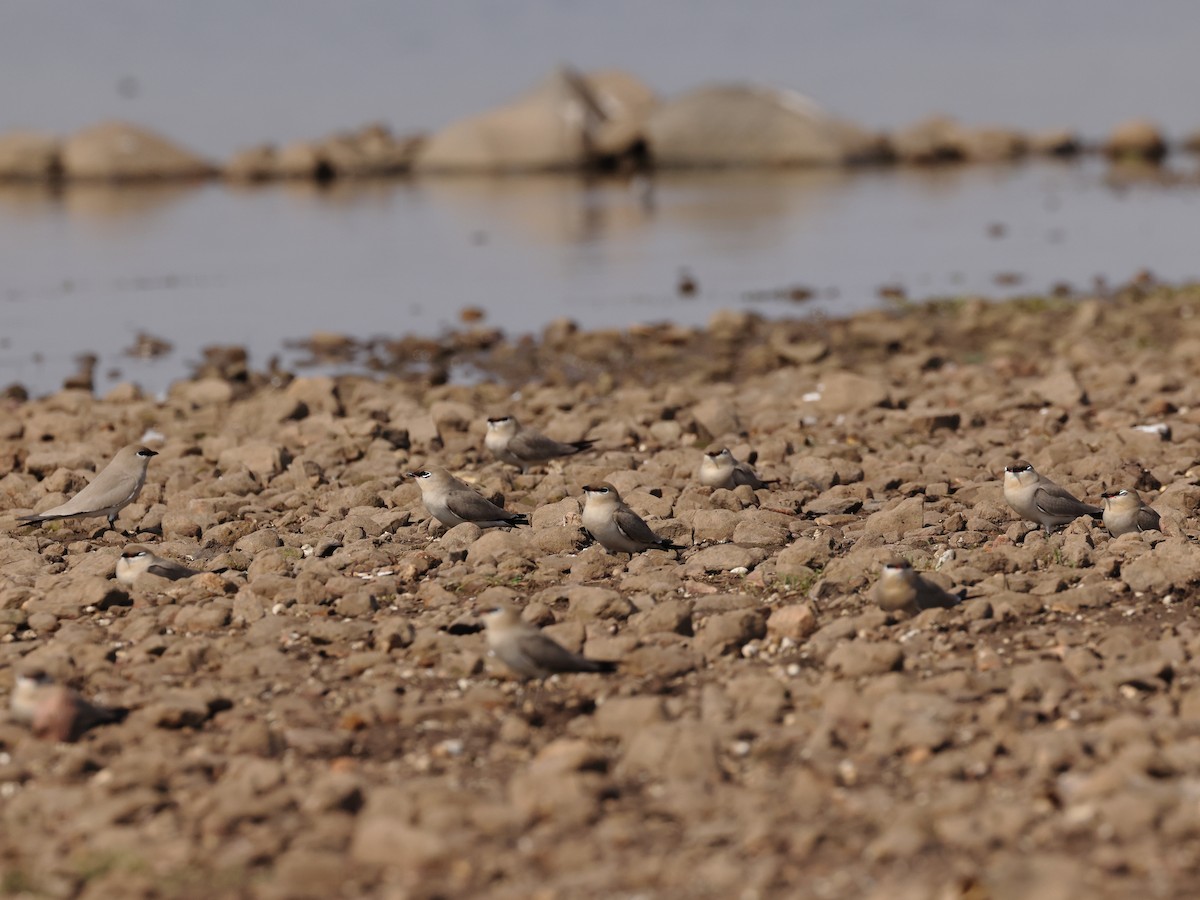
321 719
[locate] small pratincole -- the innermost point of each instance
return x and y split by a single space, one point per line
117 485
1126 512
1038 499
452 502
901 589
54 711
615 526
719 469
527 651
136 561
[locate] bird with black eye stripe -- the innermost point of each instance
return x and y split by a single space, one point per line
117 485
511 442
1036 498
615 526
1125 512
453 502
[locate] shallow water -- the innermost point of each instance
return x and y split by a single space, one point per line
91 267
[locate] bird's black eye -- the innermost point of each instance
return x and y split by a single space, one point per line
421 474
1122 493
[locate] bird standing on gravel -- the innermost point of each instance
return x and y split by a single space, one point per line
1125 512
509 441
527 651
719 469
452 502
901 588
615 526
136 561
53 711
117 485
1038 499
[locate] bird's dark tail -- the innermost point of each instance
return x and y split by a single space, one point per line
603 665
519 519
94 716
580 446
112 715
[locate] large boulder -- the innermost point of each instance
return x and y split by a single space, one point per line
118 151
1138 139
626 102
942 139
29 156
931 140
563 124
370 152
991 144
257 163
747 125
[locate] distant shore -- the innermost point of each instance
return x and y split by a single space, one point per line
606 121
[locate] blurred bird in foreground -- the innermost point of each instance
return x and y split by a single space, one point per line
55 712
527 651
136 561
901 588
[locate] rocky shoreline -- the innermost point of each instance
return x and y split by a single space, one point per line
605 121
316 715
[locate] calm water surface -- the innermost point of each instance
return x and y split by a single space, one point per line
88 269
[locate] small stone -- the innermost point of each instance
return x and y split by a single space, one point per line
725 558
858 658
794 622
728 632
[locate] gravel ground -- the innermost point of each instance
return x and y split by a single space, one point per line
317 716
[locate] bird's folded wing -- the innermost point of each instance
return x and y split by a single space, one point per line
1148 520
1059 502
743 474
172 571
551 655
531 445
933 596
108 490
470 506
631 525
